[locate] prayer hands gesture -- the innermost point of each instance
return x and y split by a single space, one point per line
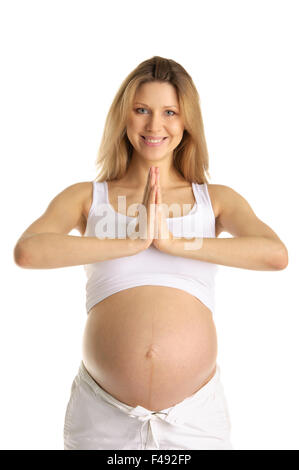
152 223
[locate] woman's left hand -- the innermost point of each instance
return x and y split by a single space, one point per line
163 237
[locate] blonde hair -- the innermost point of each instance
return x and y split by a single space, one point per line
190 156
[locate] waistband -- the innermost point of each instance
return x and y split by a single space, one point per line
148 416
199 395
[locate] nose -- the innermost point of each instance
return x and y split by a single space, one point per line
154 124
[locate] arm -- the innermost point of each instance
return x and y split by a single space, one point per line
46 243
255 246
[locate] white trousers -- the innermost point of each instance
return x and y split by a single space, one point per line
95 420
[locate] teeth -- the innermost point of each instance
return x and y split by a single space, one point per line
154 141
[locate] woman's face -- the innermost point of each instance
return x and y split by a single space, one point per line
155 113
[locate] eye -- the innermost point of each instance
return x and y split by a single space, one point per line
138 109
168 110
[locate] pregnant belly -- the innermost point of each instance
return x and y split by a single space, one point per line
151 346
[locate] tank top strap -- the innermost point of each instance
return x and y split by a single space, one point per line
197 191
98 196
100 187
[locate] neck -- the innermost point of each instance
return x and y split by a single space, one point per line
137 173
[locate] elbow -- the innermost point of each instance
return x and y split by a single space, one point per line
21 257
280 259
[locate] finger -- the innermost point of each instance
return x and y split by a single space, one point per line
159 196
147 187
152 200
151 212
152 181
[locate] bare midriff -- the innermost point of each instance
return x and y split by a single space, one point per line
151 346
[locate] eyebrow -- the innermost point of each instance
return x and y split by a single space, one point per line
170 106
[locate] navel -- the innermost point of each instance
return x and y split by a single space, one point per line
151 352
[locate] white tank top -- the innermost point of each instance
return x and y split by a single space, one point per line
150 266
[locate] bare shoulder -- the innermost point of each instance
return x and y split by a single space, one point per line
83 192
216 193
64 213
223 196
237 217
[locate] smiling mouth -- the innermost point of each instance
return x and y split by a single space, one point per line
163 138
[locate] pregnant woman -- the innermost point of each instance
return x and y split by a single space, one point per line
149 377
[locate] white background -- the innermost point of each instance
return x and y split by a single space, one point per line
62 64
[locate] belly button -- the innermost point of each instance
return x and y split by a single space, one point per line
151 352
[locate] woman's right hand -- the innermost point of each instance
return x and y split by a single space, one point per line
146 214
